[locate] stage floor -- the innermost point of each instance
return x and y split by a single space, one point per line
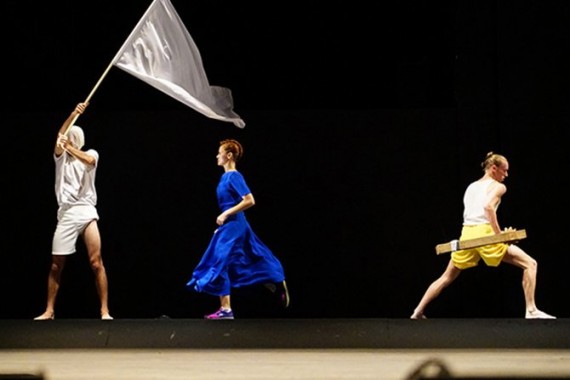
172 349
278 364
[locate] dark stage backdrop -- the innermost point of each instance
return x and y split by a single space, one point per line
364 126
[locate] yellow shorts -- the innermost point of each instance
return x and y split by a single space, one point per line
491 254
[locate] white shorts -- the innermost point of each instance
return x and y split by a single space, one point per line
71 222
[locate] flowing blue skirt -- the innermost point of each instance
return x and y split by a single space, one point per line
235 258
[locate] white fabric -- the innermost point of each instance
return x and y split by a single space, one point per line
77 136
75 181
475 198
71 221
161 52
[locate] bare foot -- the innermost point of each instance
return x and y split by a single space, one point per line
48 315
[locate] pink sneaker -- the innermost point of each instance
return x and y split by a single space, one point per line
221 314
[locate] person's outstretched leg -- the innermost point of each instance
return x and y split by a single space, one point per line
54 279
516 256
450 274
93 243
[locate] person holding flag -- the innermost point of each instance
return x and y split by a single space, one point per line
77 214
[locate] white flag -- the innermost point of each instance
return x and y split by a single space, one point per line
161 52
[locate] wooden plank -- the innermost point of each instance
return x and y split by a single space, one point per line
503 237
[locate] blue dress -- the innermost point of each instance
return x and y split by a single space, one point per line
235 257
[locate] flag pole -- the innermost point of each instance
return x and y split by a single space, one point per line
109 67
89 96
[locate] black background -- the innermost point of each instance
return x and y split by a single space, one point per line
364 124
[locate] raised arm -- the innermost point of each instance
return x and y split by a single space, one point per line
62 134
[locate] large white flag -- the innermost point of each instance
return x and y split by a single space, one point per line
161 52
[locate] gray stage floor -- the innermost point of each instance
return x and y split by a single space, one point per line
287 333
284 349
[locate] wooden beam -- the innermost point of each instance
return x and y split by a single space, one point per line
503 237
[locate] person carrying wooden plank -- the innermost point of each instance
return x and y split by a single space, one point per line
481 200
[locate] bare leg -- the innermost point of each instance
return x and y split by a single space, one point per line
225 302
516 256
54 279
450 274
92 240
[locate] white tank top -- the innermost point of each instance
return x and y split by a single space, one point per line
475 198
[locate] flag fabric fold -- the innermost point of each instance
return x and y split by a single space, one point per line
161 52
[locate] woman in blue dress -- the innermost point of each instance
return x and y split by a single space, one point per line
235 257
